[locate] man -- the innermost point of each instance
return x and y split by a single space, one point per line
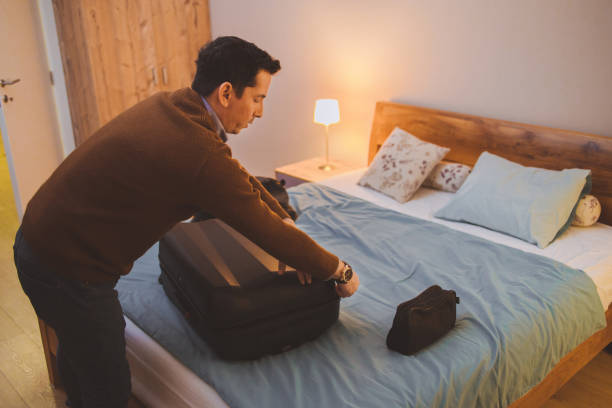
121 190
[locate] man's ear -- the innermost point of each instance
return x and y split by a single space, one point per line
224 94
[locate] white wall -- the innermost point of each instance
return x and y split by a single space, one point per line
545 62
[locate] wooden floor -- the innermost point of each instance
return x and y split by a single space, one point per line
23 375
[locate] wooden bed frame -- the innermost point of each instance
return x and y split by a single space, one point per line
468 136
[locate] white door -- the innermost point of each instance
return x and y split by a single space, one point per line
28 121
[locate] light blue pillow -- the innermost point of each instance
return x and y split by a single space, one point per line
532 204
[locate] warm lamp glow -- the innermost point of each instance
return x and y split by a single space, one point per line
326 111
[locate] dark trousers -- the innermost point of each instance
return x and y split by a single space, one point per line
90 328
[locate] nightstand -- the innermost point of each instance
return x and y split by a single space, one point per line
308 171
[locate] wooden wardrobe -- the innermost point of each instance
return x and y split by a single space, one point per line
118 52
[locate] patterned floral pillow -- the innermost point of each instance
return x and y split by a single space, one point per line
401 165
447 176
588 211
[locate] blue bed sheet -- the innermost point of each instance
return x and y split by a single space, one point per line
519 314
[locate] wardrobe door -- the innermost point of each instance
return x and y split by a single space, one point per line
117 53
181 28
137 56
78 72
122 53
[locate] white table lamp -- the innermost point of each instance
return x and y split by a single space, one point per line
326 113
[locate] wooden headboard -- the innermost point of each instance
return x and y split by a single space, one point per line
468 136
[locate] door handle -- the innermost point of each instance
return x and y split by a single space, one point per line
164 75
6 82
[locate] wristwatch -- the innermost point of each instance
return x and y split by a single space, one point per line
345 274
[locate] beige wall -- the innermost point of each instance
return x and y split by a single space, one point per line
30 131
545 62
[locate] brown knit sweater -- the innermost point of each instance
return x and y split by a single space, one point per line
149 168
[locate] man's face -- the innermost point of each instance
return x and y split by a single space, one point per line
242 111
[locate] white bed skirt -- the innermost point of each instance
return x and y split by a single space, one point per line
161 381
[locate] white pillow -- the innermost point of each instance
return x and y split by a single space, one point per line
401 165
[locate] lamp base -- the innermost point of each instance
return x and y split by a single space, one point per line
326 167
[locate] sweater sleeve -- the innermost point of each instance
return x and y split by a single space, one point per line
225 191
268 198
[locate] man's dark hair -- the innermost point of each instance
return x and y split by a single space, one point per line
230 59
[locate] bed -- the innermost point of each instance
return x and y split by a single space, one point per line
159 379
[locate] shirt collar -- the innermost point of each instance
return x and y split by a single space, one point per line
220 128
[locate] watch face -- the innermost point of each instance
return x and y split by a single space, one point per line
346 274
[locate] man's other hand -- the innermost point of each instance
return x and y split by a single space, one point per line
303 277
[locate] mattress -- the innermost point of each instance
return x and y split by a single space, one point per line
162 381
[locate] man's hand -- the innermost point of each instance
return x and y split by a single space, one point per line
303 277
347 289
342 289
289 221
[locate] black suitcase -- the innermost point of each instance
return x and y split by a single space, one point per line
225 287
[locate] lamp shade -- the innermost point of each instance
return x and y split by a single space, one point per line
326 111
